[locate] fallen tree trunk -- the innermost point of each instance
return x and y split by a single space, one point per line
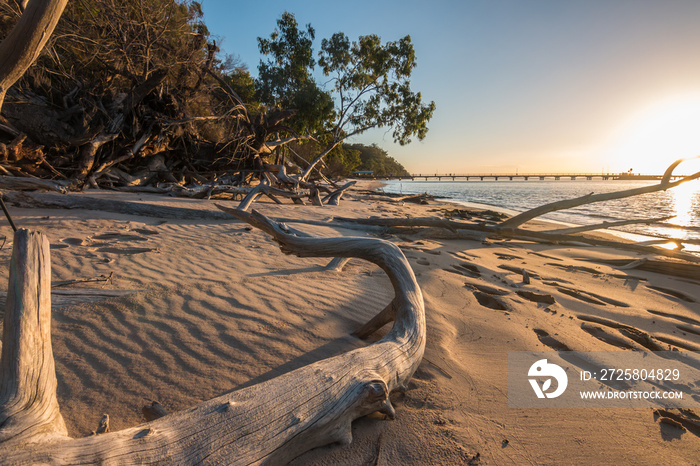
18 183
80 201
269 423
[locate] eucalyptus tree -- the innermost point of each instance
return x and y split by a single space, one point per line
285 79
372 89
369 85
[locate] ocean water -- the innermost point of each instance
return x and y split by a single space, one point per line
683 202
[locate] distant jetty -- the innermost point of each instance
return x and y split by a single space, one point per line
521 176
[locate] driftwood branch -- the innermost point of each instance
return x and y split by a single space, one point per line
337 264
469 231
663 185
270 192
387 315
270 423
605 225
333 198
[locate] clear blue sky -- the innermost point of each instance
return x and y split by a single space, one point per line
574 85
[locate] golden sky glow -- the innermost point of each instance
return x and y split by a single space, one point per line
659 134
533 85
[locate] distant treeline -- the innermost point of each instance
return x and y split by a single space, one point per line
373 158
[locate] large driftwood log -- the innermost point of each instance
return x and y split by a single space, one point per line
79 201
17 183
270 423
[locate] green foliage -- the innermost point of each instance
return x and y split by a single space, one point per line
285 79
372 87
291 61
371 83
377 160
104 49
243 84
343 160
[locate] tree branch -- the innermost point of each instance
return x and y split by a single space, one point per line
26 40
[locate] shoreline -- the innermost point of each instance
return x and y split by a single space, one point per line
635 237
207 306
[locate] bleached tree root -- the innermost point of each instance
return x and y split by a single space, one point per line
333 198
269 423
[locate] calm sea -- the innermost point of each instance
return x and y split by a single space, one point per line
519 195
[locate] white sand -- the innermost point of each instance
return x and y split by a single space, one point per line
219 306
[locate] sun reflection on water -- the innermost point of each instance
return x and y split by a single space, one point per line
685 203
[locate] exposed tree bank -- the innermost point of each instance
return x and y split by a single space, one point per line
137 95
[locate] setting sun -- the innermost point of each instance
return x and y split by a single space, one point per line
658 135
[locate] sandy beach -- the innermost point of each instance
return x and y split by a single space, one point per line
208 306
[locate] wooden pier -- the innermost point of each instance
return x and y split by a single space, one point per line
529 176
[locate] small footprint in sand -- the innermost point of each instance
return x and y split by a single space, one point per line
490 301
674 423
465 269
145 231
508 257
628 332
75 241
672 293
687 320
109 242
536 297
606 336
124 250
119 237
487 289
588 297
688 329
548 340
422 262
